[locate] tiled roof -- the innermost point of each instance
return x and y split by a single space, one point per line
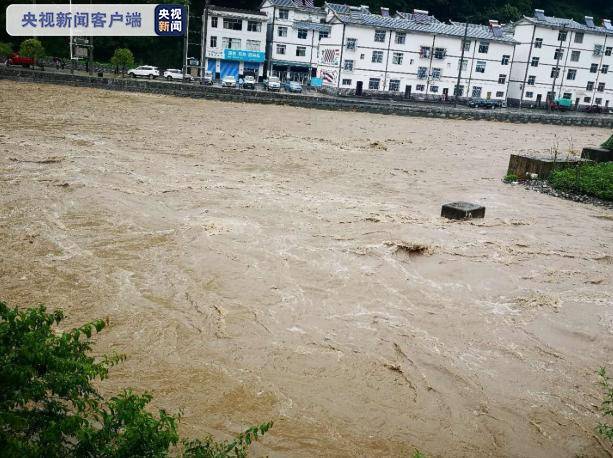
299 4
235 10
475 31
317 26
564 23
419 17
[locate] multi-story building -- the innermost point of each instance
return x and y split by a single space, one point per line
414 53
235 42
562 58
294 30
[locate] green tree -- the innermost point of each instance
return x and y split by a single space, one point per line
122 58
32 47
5 49
49 406
606 428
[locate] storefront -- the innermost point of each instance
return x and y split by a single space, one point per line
292 71
235 62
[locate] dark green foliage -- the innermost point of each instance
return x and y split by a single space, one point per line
122 59
608 144
591 179
49 407
606 428
5 49
32 47
510 178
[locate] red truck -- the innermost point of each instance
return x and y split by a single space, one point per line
16 59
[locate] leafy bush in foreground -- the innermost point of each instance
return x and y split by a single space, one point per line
592 179
49 407
606 429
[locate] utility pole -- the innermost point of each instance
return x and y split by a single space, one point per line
186 42
557 70
457 86
203 37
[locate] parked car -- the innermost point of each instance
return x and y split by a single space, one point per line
273 83
294 86
207 78
228 81
560 104
145 71
249 82
593 109
16 59
176 74
483 103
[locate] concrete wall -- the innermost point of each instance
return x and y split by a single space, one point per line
324 103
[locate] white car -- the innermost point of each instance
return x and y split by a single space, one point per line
228 81
176 74
145 71
249 82
273 83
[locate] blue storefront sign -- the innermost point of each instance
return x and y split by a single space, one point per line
244 55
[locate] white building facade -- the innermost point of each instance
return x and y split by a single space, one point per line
295 28
414 54
235 42
562 58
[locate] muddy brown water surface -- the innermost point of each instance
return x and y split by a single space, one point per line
271 263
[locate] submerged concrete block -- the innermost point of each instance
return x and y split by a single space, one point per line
462 210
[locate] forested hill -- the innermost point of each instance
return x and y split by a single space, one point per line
167 52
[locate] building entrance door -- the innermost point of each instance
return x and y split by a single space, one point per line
358 88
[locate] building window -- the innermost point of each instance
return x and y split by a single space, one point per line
505 60
362 56
213 42
578 37
598 101
323 34
281 31
575 55
476 92
587 99
555 72
597 50
300 51
562 35
500 94
373 84
400 39
422 72
377 57
214 20
502 79
348 65
567 96
594 68
379 36
346 82
590 86
302 34
484 47
424 51
283 14
439 53
467 45
529 95
538 43
420 87
253 45
558 54
608 51
254 26
604 69
434 89
351 43
535 62
531 80
232 24
464 64
436 74
394 85
280 49
480 67
231 43
458 91
397 58
571 74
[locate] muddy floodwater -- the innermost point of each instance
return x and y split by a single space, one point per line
265 263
